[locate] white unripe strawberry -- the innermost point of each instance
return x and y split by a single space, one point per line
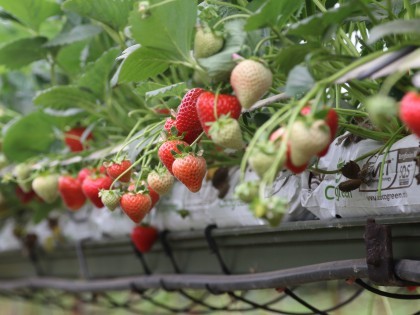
206 43
250 80
306 141
226 132
160 181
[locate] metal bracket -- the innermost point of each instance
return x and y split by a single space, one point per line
379 256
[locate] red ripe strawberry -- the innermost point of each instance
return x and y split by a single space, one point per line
115 169
71 192
187 121
23 196
92 185
169 123
332 122
410 111
143 237
154 196
206 109
83 173
72 138
165 155
136 205
190 170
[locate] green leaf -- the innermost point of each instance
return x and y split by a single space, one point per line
318 24
97 75
394 28
31 12
273 12
113 13
76 34
64 97
168 27
28 137
291 56
69 58
141 64
299 81
22 52
221 64
171 90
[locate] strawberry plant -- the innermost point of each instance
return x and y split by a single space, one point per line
85 82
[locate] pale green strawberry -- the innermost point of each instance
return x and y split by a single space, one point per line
206 43
22 172
46 187
250 80
308 139
226 132
247 191
262 157
110 198
383 112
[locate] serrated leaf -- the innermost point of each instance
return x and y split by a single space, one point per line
221 64
318 24
28 137
69 58
273 12
97 75
31 12
22 52
113 13
171 90
142 64
299 81
145 87
76 34
65 97
168 27
394 28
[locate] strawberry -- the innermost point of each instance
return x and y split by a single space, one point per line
190 170
160 181
262 158
187 121
165 155
382 112
70 189
110 198
276 137
92 185
143 237
206 43
154 196
23 196
307 141
169 123
83 173
410 111
117 169
73 139
247 191
136 205
46 187
22 172
226 132
250 80
208 109
332 121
